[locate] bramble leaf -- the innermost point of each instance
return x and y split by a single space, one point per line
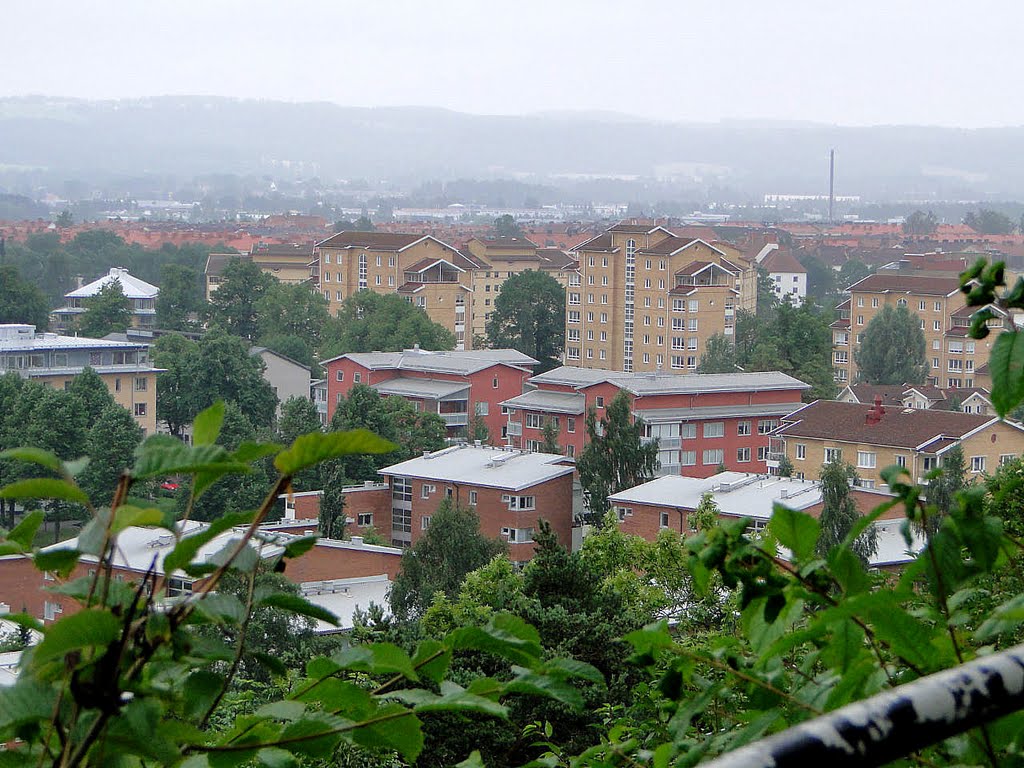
32 455
25 531
315 447
44 488
207 424
796 531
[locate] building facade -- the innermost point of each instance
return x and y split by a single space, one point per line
287 263
55 360
430 274
874 437
701 421
458 386
787 274
953 357
645 299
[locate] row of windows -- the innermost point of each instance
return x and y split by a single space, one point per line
922 305
869 459
326 258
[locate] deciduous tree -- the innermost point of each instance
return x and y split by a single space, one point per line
839 512
110 443
369 321
893 350
109 311
719 355
920 223
234 305
180 301
529 315
20 300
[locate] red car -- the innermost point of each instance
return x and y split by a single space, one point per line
169 486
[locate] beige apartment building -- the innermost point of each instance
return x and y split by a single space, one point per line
645 299
499 258
953 357
288 263
874 437
430 274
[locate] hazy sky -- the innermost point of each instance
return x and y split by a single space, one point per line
939 62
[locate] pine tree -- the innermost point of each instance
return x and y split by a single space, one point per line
839 512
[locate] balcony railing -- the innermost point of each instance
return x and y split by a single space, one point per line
665 443
455 419
515 428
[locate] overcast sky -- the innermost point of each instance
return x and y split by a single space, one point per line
941 62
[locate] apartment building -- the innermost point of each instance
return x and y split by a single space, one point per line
499 258
952 356
873 438
288 378
140 294
669 503
787 274
455 385
701 421
433 275
55 360
287 263
645 299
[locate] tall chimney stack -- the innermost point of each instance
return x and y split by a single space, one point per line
831 182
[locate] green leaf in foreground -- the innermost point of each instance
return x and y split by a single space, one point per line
34 456
1007 366
297 605
92 627
45 488
796 531
25 531
309 450
207 424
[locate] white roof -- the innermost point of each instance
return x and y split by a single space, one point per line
458 362
133 287
435 389
672 415
9 662
343 597
139 548
486 466
15 337
662 383
546 400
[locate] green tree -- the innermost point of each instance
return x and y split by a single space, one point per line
299 417
785 466
821 278
506 226
943 489
293 347
20 300
363 224
707 514
451 547
109 311
529 315
719 355
234 304
893 350
65 219
369 321
331 517
291 310
839 512
920 223
550 434
180 301
478 430
852 271
989 222
174 404
93 394
616 456
110 444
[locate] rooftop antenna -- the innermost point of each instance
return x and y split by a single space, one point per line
831 182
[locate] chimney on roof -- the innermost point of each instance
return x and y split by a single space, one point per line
876 411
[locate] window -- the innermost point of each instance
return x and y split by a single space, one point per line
518 535
801 451
424 522
357 377
599 401
472 498
901 460
860 319
935 362
482 408
362 272
117 385
860 301
1006 458
938 306
522 503
534 421
141 383
764 426
742 428
977 463
339 376
50 610
833 454
664 520
140 409
714 429
742 454
178 586
426 490
364 519
713 457
570 424
866 459
762 453
688 458
936 325
921 305
688 431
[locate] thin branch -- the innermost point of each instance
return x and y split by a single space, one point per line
239 650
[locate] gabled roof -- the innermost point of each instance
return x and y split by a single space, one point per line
409 386
497 243
133 287
910 284
696 267
780 261
485 466
259 351
602 242
374 241
899 427
424 264
674 244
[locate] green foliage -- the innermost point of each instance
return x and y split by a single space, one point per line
110 445
719 355
893 350
451 547
549 432
331 516
786 468
989 222
20 300
506 226
234 304
109 311
529 316
299 417
291 311
369 321
616 456
180 302
920 223
839 513
91 392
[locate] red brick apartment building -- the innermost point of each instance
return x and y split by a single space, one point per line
510 490
24 588
455 385
701 421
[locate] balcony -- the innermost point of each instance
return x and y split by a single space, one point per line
773 458
665 443
455 419
515 429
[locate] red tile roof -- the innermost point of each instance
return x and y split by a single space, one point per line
898 427
377 241
779 260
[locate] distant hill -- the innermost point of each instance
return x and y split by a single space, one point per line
200 135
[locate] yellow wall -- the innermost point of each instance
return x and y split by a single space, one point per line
125 391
